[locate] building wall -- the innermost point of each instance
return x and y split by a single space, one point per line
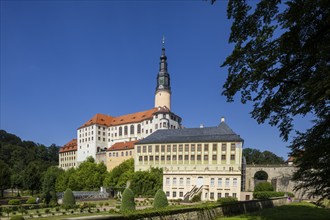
67 159
198 163
114 158
163 98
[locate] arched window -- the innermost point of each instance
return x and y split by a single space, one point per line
132 129
139 129
125 130
120 131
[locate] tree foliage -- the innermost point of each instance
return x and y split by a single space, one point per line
160 200
254 156
4 177
49 184
280 63
119 175
68 199
127 202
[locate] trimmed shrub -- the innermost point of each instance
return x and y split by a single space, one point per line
160 200
68 199
31 200
267 194
14 202
17 217
263 186
227 200
291 194
127 202
196 198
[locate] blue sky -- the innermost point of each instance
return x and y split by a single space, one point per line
64 61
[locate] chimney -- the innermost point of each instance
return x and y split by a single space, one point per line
222 119
201 126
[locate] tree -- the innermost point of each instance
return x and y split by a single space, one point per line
68 199
49 182
32 177
254 156
127 202
280 63
4 177
160 200
119 175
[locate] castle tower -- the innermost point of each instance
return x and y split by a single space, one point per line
163 89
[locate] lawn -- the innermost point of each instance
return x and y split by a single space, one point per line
293 211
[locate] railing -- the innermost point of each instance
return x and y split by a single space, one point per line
187 195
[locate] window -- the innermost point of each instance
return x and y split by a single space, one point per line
181 181
167 193
130 153
232 157
219 182
181 194
180 148
168 158
151 158
219 195
206 157
120 131
180 157
139 129
206 147
234 195
186 147
167 181
193 147
199 157
144 149
214 157
212 182
145 158
223 147
235 182
212 195
186 157
139 149
168 148
174 180
227 182
174 194
223 157
156 126
162 158
132 129
156 158
103 133
192 157
214 148
125 130
150 148
163 148
157 148
232 147
126 154
174 157
122 153
226 195
174 148
188 181
103 139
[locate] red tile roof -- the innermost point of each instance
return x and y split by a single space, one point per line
122 146
106 120
70 146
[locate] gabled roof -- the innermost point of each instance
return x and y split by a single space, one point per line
122 146
189 135
107 120
70 146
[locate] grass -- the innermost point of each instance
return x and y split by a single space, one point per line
293 211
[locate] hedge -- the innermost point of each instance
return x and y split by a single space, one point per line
127 202
264 186
14 202
267 194
160 199
68 199
227 200
31 200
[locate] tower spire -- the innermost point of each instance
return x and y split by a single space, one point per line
163 88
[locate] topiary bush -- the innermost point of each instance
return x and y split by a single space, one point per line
263 186
160 200
14 202
68 199
196 198
127 202
31 200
